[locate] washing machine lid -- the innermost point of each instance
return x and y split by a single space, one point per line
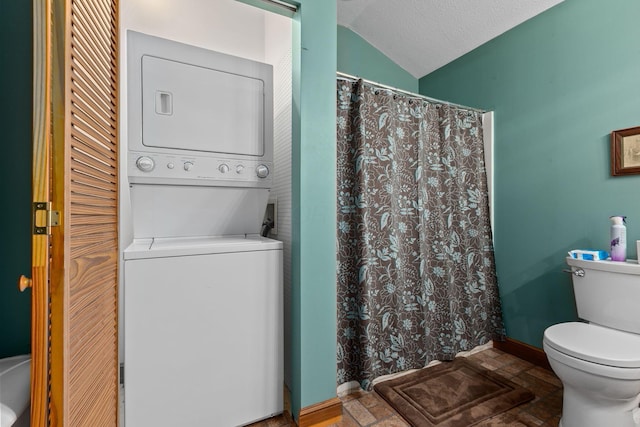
187 246
595 344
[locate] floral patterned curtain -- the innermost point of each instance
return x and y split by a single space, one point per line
416 273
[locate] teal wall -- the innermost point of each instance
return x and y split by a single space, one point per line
358 58
559 84
15 175
313 287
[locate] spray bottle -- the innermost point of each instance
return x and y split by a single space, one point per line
618 238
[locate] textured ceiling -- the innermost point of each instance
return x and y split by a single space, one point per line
423 35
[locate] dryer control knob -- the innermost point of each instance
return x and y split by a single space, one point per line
145 164
262 171
239 169
223 168
188 166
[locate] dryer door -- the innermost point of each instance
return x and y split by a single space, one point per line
190 107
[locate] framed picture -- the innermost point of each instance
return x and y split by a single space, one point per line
625 151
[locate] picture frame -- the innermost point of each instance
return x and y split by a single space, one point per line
625 151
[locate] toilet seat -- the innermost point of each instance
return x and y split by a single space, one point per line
595 344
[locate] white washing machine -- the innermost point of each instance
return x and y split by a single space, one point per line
203 331
202 294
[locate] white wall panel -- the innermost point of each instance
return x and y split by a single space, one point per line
278 52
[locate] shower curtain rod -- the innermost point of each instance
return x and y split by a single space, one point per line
349 77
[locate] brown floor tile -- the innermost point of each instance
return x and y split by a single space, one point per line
484 355
372 399
378 406
537 386
525 416
547 407
552 422
354 396
394 421
347 421
359 413
493 352
491 364
516 367
367 409
507 419
506 359
545 375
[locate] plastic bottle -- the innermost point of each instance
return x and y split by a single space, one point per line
618 238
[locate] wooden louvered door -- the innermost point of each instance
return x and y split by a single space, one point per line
41 197
80 152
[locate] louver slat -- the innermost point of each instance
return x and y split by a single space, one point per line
91 347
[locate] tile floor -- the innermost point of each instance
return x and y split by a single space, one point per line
367 409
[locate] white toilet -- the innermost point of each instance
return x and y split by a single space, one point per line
599 362
14 391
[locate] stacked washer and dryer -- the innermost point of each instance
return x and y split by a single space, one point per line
202 288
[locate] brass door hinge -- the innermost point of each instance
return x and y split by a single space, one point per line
42 213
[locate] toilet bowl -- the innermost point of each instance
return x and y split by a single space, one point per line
600 371
598 360
15 391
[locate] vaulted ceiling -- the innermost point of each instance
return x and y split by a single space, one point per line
423 35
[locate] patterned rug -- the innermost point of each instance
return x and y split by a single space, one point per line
452 394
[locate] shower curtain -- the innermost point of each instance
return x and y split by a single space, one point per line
416 273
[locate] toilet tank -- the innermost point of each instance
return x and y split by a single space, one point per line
608 293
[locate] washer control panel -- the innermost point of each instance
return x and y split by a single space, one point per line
151 168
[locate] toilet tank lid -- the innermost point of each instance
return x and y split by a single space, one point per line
595 344
630 266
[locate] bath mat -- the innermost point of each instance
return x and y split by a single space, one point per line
452 394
